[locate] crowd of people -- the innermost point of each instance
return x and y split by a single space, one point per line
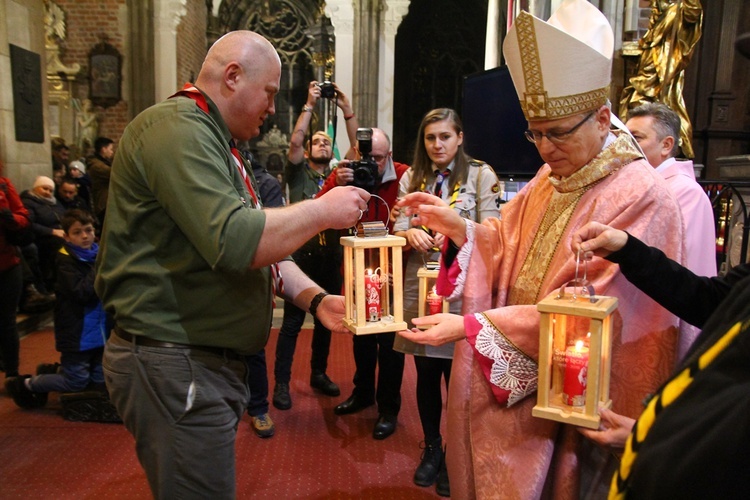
137 308
50 247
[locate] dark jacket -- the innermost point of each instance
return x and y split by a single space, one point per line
44 216
99 170
269 187
80 321
694 441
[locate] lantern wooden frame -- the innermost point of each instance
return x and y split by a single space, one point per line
555 309
427 277
390 257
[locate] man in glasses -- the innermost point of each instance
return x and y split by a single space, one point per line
503 267
371 351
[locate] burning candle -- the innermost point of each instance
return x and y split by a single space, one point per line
435 302
576 368
372 295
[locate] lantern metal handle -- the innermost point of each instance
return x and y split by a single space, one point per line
577 283
377 228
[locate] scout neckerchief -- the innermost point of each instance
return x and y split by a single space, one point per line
193 93
189 90
437 190
315 176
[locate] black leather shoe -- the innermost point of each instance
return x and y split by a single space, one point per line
321 382
281 398
429 466
385 426
353 405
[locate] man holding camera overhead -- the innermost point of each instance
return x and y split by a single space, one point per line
376 172
308 164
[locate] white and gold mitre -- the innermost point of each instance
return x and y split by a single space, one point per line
561 67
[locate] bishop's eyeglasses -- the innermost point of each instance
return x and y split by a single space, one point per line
555 137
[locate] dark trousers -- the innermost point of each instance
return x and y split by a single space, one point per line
11 284
430 372
377 350
325 269
257 382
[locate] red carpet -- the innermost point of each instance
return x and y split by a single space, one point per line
314 454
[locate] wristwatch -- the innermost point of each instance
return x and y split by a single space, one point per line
315 302
306 108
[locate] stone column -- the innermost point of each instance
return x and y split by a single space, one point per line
367 23
395 10
492 57
141 60
168 14
341 14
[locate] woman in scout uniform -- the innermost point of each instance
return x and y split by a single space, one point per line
441 167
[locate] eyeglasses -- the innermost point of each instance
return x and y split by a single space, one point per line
379 158
555 137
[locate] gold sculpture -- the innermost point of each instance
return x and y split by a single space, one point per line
674 30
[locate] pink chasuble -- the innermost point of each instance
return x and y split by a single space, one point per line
496 448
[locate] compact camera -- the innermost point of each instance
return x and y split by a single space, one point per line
327 90
366 169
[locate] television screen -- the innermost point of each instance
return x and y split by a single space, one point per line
494 125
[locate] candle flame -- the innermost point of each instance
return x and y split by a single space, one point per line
579 345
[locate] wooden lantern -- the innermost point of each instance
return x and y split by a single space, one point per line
575 345
367 311
429 301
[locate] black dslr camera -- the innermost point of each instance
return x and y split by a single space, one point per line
327 90
366 169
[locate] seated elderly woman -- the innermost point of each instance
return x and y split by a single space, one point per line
45 213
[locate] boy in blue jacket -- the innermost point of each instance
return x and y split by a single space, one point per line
81 325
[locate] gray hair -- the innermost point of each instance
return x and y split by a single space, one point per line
666 121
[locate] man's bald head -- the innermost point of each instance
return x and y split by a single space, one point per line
241 75
247 48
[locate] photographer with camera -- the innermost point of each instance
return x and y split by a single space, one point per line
376 172
308 165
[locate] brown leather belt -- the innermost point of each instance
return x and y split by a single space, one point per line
149 342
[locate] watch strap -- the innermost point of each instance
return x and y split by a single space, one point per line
315 302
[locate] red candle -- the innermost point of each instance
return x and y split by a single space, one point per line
435 302
372 295
576 368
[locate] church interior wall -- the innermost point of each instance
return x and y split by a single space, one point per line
191 41
23 25
87 22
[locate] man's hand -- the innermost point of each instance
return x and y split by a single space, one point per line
331 312
343 206
613 430
597 239
419 240
343 101
344 173
447 328
313 93
433 213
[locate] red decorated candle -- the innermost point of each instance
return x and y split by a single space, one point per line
435 302
576 368
372 294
